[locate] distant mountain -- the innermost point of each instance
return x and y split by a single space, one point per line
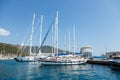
48 49
6 49
9 49
35 49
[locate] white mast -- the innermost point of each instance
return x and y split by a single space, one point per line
52 41
55 40
41 22
106 49
31 38
69 41
56 31
65 43
74 37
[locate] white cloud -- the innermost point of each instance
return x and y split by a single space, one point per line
4 32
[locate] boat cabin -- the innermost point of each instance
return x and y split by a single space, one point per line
116 57
110 55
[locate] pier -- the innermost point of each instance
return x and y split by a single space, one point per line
99 62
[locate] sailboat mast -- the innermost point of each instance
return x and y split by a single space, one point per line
65 43
31 38
52 41
69 41
106 49
55 39
41 22
56 32
74 37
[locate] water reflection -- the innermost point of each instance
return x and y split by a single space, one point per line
11 70
31 69
65 72
88 72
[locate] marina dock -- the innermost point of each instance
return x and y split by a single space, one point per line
99 62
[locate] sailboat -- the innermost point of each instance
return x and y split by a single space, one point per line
32 57
62 60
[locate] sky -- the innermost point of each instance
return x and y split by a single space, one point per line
97 22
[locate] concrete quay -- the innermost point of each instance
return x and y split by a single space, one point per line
99 62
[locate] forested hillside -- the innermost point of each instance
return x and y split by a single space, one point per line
9 49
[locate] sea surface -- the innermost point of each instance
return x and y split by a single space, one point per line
12 70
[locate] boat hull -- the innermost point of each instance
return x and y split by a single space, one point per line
56 63
115 65
25 59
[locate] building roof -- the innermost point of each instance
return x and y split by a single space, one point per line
86 47
117 52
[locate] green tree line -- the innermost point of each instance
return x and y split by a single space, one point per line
9 49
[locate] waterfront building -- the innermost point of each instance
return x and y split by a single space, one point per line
86 51
110 55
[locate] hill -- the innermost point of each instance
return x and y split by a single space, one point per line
10 49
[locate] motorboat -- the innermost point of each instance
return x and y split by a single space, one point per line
115 62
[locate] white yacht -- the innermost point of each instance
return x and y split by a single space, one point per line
26 59
70 59
115 62
64 60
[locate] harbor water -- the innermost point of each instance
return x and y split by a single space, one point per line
11 70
